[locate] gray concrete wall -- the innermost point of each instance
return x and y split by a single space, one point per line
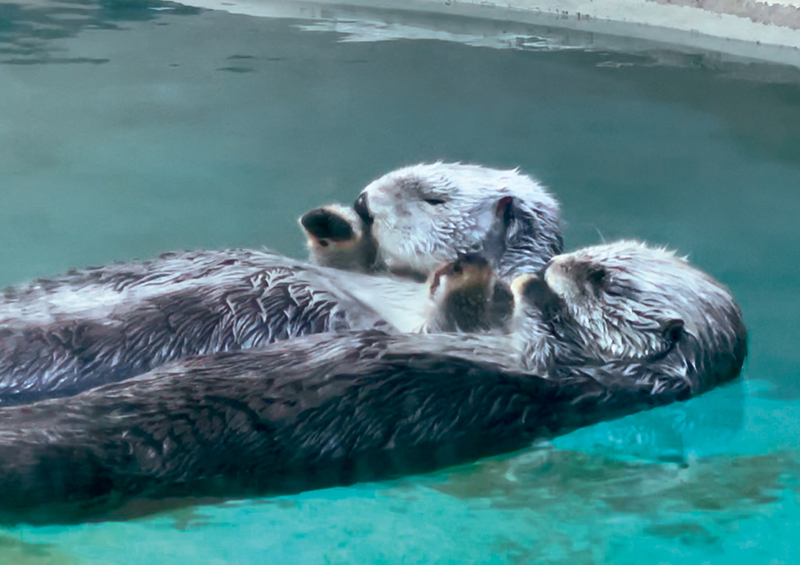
744 28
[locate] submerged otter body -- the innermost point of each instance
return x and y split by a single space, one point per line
315 412
94 326
330 410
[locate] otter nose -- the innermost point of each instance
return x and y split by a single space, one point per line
361 208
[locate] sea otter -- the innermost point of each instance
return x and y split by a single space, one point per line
468 297
329 410
428 214
634 311
64 335
415 219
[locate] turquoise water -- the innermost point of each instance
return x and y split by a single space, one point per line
131 128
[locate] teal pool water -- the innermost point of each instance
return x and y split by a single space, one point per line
132 127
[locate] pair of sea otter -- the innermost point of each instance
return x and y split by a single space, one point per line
538 345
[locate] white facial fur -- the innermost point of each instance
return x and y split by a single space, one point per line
428 214
625 301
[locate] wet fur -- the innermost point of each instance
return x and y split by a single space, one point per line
90 327
313 412
467 297
326 410
627 309
429 214
99 325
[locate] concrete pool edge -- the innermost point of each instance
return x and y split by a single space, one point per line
748 34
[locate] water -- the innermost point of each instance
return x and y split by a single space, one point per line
131 128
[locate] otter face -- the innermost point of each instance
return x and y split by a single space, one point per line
429 214
336 237
626 302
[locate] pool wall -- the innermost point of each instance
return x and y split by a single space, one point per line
768 31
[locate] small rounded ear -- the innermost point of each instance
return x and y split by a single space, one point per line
673 330
496 242
504 210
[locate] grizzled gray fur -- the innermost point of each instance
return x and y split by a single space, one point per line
626 310
105 324
328 410
429 214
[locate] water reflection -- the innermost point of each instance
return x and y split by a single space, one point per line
698 508
678 433
15 551
26 30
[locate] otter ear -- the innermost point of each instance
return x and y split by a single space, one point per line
504 210
673 330
501 230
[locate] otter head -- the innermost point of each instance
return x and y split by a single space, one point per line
429 214
625 308
337 237
466 296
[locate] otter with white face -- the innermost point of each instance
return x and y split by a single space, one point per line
105 324
625 304
325 410
412 220
423 216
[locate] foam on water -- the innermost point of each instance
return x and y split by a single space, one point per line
129 129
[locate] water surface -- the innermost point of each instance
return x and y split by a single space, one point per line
132 128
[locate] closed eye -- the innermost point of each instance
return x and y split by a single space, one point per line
434 201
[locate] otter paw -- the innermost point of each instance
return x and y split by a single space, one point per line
326 225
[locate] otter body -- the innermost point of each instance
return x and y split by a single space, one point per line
597 335
95 326
313 412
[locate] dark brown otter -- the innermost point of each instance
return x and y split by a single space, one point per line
468 297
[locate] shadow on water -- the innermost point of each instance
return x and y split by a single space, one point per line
736 485
26 30
559 492
14 551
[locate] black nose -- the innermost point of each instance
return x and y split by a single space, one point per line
361 208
